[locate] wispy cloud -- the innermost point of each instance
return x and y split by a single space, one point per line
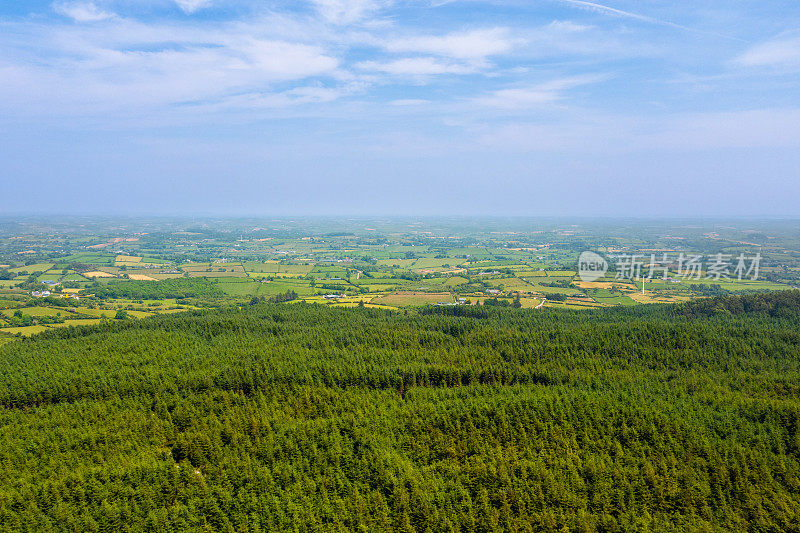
536 95
82 11
780 52
349 11
125 64
260 59
471 45
190 6
404 102
601 8
303 95
416 66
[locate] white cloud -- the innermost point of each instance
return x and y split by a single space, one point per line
404 102
125 65
416 66
517 98
281 60
291 98
348 11
779 52
537 95
470 45
568 26
190 6
454 53
82 11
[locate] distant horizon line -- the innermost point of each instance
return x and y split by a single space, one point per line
373 216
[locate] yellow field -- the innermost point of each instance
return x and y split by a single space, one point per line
128 259
97 274
351 304
78 322
36 311
25 330
355 299
594 284
98 312
141 277
648 298
413 298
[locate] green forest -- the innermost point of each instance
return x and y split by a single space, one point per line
301 417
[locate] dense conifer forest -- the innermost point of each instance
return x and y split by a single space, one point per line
297 417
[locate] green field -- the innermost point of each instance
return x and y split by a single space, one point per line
614 300
36 267
455 281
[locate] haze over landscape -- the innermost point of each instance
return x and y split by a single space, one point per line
399 266
557 107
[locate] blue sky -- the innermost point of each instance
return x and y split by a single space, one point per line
553 107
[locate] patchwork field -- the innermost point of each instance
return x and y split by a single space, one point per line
400 299
216 271
256 269
402 267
